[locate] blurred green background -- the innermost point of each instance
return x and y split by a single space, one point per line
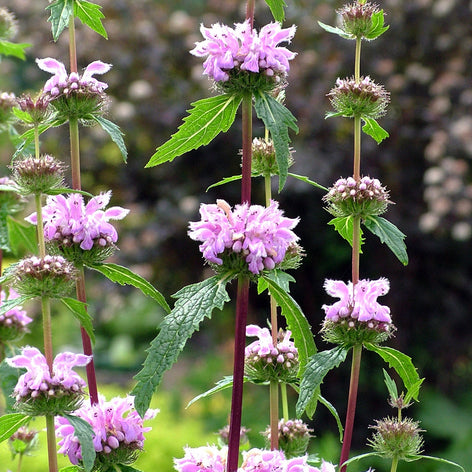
424 60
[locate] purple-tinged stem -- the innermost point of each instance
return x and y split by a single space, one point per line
250 11
247 148
351 405
238 374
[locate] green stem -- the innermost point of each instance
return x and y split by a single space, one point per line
75 153
72 45
394 464
357 61
20 460
283 391
40 225
274 414
36 141
247 148
51 440
351 405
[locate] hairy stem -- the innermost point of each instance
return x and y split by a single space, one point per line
51 439
75 153
242 302
247 148
72 45
283 391
357 60
394 464
274 414
351 405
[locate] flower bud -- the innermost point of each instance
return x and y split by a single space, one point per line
223 435
38 175
37 109
23 441
264 162
364 197
363 98
294 436
396 438
8 25
7 102
48 276
357 19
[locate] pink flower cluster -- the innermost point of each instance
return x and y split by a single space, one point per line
245 49
213 459
260 234
16 317
358 301
69 221
284 352
38 380
63 83
116 424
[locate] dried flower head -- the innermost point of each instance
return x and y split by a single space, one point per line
294 436
14 322
38 175
359 19
202 459
44 391
363 98
265 361
397 438
118 432
364 197
73 95
357 317
37 110
242 58
250 238
82 232
48 276
8 24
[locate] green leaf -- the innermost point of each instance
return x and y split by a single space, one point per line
91 15
316 369
205 121
224 181
21 236
223 384
335 30
432 458
13 49
296 321
8 379
124 276
374 130
61 11
60 190
308 181
344 226
114 132
9 424
71 468
277 119
391 386
79 310
377 28
388 234
84 433
13 302
402 365
333 411
194 303
4 236
23 115
277 9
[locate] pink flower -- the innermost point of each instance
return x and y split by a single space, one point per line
359 301
244 48
261 460
202 459
16 317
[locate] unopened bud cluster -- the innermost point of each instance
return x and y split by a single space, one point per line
264 162
23 441
357 18
223 435
294 436
48 276
38 108
363 98
38 175
397 438
350 197
265 361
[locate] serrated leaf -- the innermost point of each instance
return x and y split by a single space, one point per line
60 14
194 303
402 365
335 30
90 14
377 28
277 9
391 385
374 130
9 424
277 119
344 225
22 115
308 181
21 235
8 305
296 321
223 384
79 310
389 234
4 236
316 369
13 49
205 121
124 276
114 132
84 433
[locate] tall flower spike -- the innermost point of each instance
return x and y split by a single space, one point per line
40 392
